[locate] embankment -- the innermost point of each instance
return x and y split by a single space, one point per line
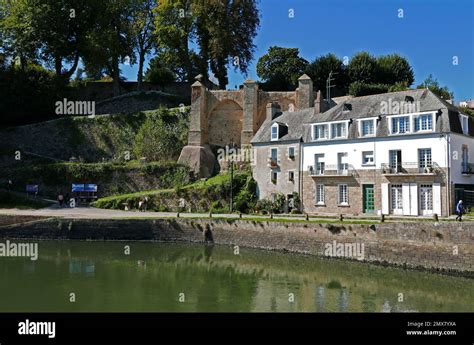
446 246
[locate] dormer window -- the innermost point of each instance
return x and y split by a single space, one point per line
275 131
423 122
367 127
320 132
347 107
338 130
464 123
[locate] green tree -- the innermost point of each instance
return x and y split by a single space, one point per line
162 136
362 68
319 70
143 31
393 69
111 40
158 73
280 68
225 31
20 41
174 28
432 84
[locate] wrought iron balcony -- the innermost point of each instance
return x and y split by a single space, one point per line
331 170
410 168
467 168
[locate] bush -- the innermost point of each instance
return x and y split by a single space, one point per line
277 205
358 88
29 95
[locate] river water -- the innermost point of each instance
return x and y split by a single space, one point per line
103 276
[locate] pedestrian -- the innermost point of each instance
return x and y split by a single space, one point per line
60 199
145 203
459 210
66 199
140 205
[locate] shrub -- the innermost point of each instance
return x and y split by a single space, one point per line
358 88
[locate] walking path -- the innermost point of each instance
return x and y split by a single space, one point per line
97 213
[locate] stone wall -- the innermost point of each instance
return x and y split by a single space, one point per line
262 174
446 246
355 183
99 91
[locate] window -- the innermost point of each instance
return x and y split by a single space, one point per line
367 128
320 194
319 164
274 177
338 130
464 124
424 159
291 176
275 132
320 132
273 157
367 157
343 195
291 152
424 122
342 164
396 197
274 154
400 125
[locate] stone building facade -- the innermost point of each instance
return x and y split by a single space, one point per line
220 118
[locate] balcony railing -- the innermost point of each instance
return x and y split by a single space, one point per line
410 168
467 168
331 170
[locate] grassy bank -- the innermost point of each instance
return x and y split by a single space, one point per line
202 196
13 200
111 178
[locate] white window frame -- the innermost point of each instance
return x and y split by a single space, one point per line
322 199
364 153
345 123
293 180
273 138
416 117
313 127
294 152
391 118
271 177
464 119
411 122
340 200
361 127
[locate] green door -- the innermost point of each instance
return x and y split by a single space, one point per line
368 198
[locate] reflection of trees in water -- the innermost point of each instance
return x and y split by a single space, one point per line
343 300
320 296
368 302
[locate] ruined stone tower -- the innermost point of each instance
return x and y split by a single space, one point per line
219 118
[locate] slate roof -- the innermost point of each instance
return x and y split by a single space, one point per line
299 122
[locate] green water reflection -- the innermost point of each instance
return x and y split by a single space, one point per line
212 278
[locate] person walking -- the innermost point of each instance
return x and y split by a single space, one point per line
459 210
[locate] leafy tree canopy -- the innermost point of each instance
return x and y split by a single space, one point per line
280 68
432 84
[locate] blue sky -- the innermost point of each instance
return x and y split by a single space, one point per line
430 34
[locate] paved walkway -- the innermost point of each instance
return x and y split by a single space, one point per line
97 213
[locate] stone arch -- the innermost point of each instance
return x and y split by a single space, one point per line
225 124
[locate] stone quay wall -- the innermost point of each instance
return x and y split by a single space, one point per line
446 246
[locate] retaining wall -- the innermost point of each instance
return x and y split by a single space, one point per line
446 246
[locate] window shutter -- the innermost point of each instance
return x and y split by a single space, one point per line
385 199
437 198
413 199
406 199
